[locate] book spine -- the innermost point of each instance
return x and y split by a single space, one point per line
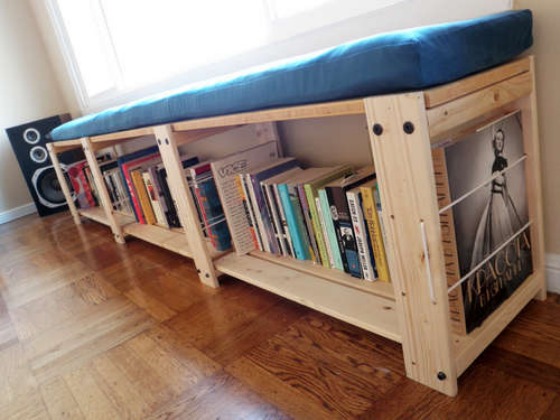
143 199
309 229
283 220
367 264
331 233
324 231
153 197
275 220
344 230
451 257
311 195
264 216
171 215
264 244
374 229
161 204
248 207
295 222
133 197
89 199
215 212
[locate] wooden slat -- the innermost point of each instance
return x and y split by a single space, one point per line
528 106
63 183
98 215
186 208
377 288
443 119
410 213
164 238
468 348
330 109
64 145
452 91
367 311
123 135
105 200
185 137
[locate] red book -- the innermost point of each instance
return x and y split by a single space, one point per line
126 168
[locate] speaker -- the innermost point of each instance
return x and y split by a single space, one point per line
29 144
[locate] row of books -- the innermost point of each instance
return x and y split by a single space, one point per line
137 186
328 215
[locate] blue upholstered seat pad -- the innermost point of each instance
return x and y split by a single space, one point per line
388 63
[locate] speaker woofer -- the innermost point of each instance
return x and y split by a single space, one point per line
48 188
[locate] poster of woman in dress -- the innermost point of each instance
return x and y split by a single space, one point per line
486 175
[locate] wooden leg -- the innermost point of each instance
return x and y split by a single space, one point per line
102 190
528 106
402 155
186 209
63 184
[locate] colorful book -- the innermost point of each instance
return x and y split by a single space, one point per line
132 161
224 171
206 194
260 208
371 211
143 198
157 190
79 182
289 197
363 244
270 188
331 237
311 191
154 198
340 213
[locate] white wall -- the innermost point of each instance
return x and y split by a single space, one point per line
28 92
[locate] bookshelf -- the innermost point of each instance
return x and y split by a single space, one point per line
414 309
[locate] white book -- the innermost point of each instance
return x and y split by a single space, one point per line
224 171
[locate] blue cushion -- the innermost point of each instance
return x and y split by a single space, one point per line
388 63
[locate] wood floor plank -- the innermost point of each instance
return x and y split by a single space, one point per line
67 346
59 401
90 394
220 396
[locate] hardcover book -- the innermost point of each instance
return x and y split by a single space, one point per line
480 182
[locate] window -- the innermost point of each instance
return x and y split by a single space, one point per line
118 47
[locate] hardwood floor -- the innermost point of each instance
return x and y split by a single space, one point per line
93 329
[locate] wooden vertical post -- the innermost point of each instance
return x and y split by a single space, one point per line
186 208
528 106
102 190
63 184
402 154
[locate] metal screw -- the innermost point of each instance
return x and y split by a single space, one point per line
166 141
159 141
408 127
441 376
377 129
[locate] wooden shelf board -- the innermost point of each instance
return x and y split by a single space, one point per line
468 348
321 110
368 311
165 238
98 214
378 288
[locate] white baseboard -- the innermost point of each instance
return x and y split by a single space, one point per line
16 213
553 272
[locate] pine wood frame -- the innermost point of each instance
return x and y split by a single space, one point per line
411 310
